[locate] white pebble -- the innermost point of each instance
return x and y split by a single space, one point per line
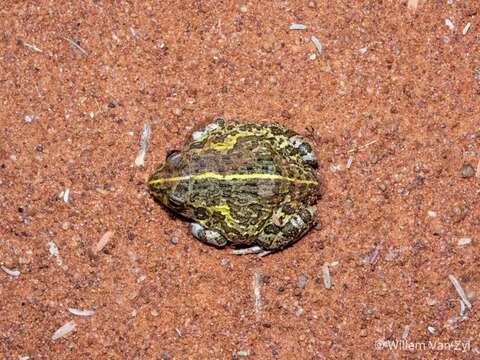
460 291
466 28
317 43
449 24
64 330
53 250
464 241
144 139
28 119
327 280
14 273
78 312
297 27
66 195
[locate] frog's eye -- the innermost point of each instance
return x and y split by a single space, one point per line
173 157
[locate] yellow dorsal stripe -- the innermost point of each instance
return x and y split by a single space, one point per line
229 177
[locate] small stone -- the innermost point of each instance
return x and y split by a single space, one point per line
397 178
243 8
477 75
464 241
312 4
177 111
382 186
299 312
467 171
438 230
174 240
431 302
224 262
28 119
243 353
66 226
347 203
302 281
286 114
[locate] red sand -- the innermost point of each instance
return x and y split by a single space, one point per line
395 91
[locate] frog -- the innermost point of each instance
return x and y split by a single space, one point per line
243 184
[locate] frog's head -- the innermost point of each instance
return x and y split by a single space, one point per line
167 185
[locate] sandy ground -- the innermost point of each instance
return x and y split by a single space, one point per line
391 103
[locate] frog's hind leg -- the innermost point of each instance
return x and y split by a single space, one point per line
211 237
294 226
304 149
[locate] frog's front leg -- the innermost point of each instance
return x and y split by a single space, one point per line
211 237
276 236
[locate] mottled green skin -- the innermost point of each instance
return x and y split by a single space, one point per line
271 212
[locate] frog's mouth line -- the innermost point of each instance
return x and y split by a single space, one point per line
230 177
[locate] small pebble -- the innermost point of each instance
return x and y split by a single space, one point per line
302 281
467 171
297 27
347 203
64 330
28 119
299 312
438 230
363 50
243 8
449 24
312 4
84 313
14 273
397 178
464 241
318 45
327 280
177 111
174 240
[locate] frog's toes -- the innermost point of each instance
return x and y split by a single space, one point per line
211 237
252 250
276 237
304 149
217 123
